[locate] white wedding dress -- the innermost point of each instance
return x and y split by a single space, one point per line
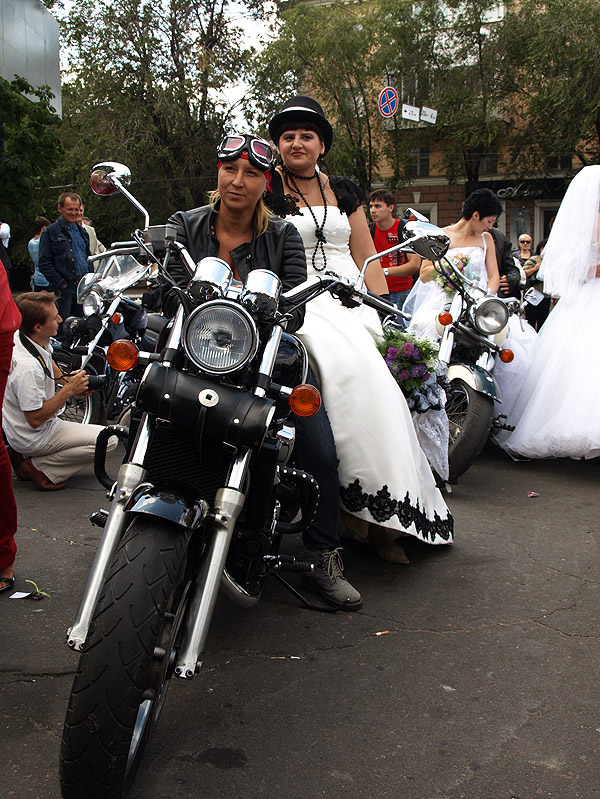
427 299
559 406
558 411
384 475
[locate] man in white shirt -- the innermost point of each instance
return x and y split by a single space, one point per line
45 449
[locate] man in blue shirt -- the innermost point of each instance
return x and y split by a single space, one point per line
64 250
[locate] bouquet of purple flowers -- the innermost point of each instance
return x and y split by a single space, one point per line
411 360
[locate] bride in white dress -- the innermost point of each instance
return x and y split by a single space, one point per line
472 247
385 478
558 410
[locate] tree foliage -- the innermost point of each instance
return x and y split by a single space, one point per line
326 51
555 96
30 152
142 88
438 54
30 146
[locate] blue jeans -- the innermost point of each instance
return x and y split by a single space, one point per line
398 298
314 452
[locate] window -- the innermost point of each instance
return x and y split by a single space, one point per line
489 164
419 167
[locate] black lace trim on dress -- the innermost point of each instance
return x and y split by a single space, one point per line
382 507
282 205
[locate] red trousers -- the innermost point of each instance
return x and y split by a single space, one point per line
8 506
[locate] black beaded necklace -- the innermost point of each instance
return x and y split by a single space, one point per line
319 232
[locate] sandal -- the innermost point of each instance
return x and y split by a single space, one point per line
10 581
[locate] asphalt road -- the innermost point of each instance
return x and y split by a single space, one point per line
485 686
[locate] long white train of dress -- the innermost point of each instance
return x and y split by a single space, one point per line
558 411
384 475
424 304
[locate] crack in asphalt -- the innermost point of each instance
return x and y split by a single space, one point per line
48 537
588 636
34 676
541 562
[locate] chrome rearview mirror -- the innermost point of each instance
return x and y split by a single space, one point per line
427 240
108 177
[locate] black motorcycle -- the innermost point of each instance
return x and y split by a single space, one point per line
473 328
200 504
109 314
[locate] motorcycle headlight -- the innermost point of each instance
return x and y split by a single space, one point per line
489 315
91 304
220 337
85 285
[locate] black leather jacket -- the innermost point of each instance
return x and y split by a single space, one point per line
506 265
279 249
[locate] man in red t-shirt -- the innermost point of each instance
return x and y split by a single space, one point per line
399 267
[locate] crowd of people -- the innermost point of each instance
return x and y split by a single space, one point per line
290 214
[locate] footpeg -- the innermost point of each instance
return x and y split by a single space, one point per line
286 563
99 517
498 424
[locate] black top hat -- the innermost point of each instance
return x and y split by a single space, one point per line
302 109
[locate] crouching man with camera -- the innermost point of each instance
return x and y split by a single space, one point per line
42 447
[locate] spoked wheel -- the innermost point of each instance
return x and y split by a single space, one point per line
470 417
126 664
82 410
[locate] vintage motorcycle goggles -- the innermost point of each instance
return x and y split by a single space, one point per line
241 145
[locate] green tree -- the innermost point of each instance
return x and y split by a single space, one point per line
456 64
440 54
555 95
327 52
30 152
141 88
30 148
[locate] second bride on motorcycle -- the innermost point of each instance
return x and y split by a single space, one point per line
472 251
384 477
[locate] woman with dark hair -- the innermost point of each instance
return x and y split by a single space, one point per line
471 250
384 476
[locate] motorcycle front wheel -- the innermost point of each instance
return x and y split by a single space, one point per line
470 417
82 410
126 664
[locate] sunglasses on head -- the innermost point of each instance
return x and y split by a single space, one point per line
258 150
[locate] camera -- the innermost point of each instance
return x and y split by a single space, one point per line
97 382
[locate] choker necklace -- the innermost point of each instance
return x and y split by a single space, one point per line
319 233
300 177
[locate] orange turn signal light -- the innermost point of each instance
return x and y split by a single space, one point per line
305 400
445 319
122 355
506 356
117 318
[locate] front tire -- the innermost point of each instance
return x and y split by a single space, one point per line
126 663
470 417
82 410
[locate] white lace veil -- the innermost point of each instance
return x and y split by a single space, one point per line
572 254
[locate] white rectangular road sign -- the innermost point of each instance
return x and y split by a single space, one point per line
410 112
428 115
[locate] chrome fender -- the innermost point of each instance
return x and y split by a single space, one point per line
476 377
170 507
